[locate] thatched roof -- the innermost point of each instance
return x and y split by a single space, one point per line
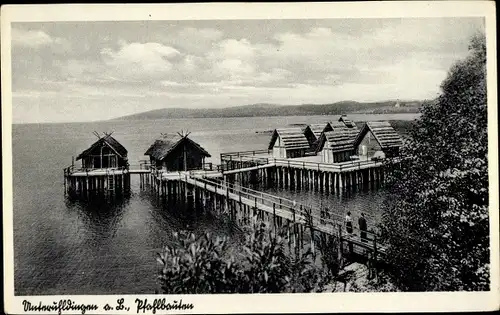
318 129
339 139
163 146
292 138
383 132
347 122
337 124
108 141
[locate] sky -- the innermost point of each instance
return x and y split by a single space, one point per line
88 71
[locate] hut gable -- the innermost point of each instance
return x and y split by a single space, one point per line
318 129
105 153
384 134
290 139
162 147
314 131
347 122
106 141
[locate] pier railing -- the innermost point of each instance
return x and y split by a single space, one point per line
237 154
350 165
208 166
337 167
296 212
72 169
69 170
314 218
301 209
205 169
141 166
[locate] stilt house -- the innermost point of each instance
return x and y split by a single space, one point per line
176 153
288 143
337 145
314 131
106 152
378 139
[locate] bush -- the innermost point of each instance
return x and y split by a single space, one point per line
204 265
196 266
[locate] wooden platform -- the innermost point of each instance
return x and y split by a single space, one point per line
98 172
308 162
103 172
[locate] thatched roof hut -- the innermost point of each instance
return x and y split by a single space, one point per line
106 152
337 140
337 145
176 153
288 143
386 138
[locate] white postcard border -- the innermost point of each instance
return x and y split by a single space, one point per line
257 303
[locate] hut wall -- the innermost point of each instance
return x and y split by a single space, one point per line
278 150
369 145
328 156
342 156
103 157
294 153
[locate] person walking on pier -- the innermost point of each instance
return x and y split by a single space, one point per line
362 226
348 222
348 227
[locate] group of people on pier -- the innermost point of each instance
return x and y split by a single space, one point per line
361 222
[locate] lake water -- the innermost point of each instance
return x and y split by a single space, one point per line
69 247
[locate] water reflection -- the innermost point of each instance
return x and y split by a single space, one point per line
368 198
99 214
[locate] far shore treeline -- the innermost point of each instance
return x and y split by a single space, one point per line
259 110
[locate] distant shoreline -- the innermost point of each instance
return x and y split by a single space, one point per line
273 110
175 118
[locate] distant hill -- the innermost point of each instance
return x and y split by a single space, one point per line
258 110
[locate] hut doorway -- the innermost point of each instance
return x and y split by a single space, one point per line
105 162
96 162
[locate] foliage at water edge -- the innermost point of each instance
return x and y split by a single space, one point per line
197 265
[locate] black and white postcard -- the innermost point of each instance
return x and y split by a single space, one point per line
250 158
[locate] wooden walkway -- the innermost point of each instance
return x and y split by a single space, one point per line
275 209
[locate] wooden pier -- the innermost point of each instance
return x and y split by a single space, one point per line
107 181
242 204
250 167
